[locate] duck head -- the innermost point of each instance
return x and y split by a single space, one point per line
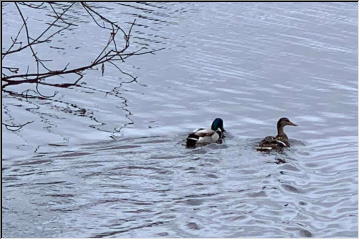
284 122
218 123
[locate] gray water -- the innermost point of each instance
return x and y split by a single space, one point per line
107 159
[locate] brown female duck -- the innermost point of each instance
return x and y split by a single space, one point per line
280 141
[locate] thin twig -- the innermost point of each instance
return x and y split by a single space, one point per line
18 127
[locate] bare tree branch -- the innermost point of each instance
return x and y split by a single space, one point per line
115 51
16 127
108 54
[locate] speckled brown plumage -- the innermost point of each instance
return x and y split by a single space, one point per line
280 140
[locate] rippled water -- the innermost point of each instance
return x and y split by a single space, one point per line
108 159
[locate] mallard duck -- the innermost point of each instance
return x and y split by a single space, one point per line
204 136
280 141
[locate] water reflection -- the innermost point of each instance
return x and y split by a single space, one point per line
172 192
107 158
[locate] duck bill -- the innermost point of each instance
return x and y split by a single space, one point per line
292 124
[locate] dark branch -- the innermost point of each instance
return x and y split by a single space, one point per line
110 53
17 127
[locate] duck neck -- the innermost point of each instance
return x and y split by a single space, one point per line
280 131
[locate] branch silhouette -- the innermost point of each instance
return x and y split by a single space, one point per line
109 54
114 52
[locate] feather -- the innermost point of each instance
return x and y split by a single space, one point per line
204 132
204 136
281 142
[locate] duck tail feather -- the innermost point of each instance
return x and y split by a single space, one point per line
191 140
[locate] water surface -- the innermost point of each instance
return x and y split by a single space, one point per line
107 159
